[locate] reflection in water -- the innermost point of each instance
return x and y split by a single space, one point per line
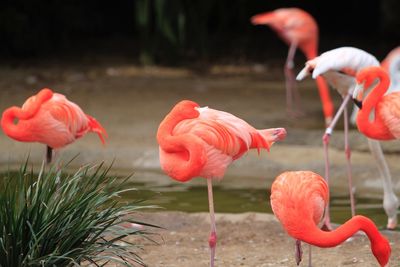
194 199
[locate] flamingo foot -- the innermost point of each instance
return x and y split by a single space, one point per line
298 252
212 242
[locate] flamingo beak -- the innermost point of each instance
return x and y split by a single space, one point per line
358 95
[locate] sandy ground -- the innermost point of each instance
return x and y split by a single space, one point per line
248 239
130 102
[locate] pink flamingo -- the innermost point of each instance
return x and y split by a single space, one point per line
202 142
298 200
391 63
298 29
384 125
51 119
333 66
339 67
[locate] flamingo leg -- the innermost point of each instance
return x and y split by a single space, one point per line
292 94
309 255
212 240
298 251
348 160
390 200
325 141
49 154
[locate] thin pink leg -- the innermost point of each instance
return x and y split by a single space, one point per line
327 218
325 141
212 240
298 251
292 94
348 160
309 255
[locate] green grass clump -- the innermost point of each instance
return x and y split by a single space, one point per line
52 219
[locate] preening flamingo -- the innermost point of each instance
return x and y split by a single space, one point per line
298 200
385 124
391 63
339 67
298 29
201 142
49 118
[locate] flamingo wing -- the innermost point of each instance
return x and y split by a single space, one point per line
67 115
392 64
219 129
389 111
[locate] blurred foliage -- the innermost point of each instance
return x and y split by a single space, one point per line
174 31
182 27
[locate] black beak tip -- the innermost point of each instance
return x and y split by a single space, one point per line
358 103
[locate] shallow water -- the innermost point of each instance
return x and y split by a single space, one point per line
194 199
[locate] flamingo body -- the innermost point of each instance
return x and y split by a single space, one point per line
298 200
49 118
202 142
386 122
293 25
391 64
297 28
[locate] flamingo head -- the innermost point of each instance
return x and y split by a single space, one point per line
262 19
271 19
307 70
381 251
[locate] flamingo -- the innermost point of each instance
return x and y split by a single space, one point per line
339 67
201 142
298 29
298 199
391 63
385 123
51 119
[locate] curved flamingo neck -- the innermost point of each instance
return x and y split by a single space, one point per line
9 116
182 156
165 137
317 237
375 129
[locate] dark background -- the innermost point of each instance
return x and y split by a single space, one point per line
177 32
